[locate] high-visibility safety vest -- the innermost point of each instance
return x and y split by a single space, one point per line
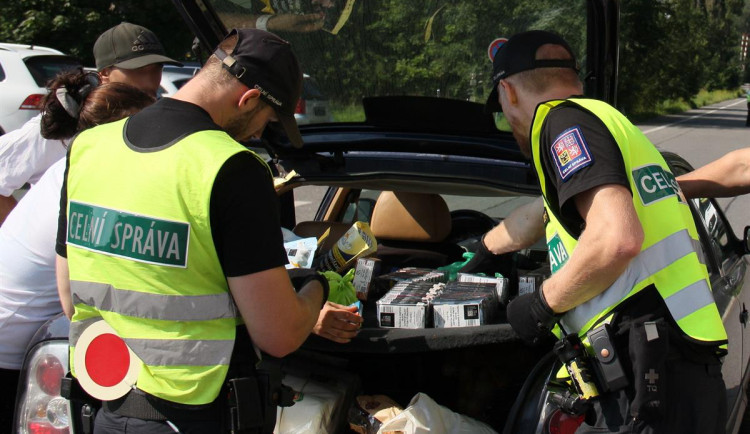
668 257
141 256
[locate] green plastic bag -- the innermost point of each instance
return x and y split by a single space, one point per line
341 288
455 267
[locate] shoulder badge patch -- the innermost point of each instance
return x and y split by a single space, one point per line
570 152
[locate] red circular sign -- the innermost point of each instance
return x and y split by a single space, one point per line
106 368
107 360
494 46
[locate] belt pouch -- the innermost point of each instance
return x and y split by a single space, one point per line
246 407
648 347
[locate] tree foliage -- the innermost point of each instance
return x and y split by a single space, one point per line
72 26
669 49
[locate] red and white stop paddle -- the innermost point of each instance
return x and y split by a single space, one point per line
105 367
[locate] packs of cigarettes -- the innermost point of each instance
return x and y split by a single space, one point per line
381 284
364 273
530 282
502 289
407 305
465 304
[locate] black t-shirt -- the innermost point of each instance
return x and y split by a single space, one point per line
244 209
578 153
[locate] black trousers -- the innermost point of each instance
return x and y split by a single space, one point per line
747 121
110 423
9 380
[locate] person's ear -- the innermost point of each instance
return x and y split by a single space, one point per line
104 74
510 92
249 99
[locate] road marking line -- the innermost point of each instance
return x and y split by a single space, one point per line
693 117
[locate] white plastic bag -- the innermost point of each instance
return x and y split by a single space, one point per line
423 415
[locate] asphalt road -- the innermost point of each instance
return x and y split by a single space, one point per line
703 135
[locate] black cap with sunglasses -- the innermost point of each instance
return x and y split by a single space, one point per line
263 61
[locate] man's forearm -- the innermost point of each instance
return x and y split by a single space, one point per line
522 228
7 203
727 176
63 285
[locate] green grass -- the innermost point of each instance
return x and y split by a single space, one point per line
347 113
703 98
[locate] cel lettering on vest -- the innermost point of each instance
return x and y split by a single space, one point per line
653 184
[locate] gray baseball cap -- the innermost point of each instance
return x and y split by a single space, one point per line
129 46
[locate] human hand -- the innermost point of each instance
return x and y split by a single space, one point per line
487 262
338 323
296 23
531 317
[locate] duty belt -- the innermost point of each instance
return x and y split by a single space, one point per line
141 405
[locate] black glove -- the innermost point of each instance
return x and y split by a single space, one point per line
301 276
487 262
531 317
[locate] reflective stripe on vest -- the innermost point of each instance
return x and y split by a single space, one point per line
154 306
657 257
169 352
670 257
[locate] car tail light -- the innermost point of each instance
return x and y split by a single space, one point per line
301 107
40 408
32 102
563 423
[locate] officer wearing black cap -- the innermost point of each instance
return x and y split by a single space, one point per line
621 239
187 245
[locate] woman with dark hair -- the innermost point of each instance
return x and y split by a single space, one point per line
28 290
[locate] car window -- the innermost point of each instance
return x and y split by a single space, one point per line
430 48
2 73
310 89
45 68
495 207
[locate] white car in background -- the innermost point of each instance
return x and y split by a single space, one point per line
173 78
24 72
313 106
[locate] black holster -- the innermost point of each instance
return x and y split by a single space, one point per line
252 401
648 347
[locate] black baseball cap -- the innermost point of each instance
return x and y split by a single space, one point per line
519 54
263 61
129 46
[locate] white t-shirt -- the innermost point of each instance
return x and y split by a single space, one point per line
25 155
28 289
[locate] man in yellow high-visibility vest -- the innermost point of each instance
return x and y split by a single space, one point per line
170 236
621 245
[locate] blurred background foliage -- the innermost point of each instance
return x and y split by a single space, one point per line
670 50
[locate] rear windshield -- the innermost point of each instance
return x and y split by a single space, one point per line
45 68
181 82
310 89
360 48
